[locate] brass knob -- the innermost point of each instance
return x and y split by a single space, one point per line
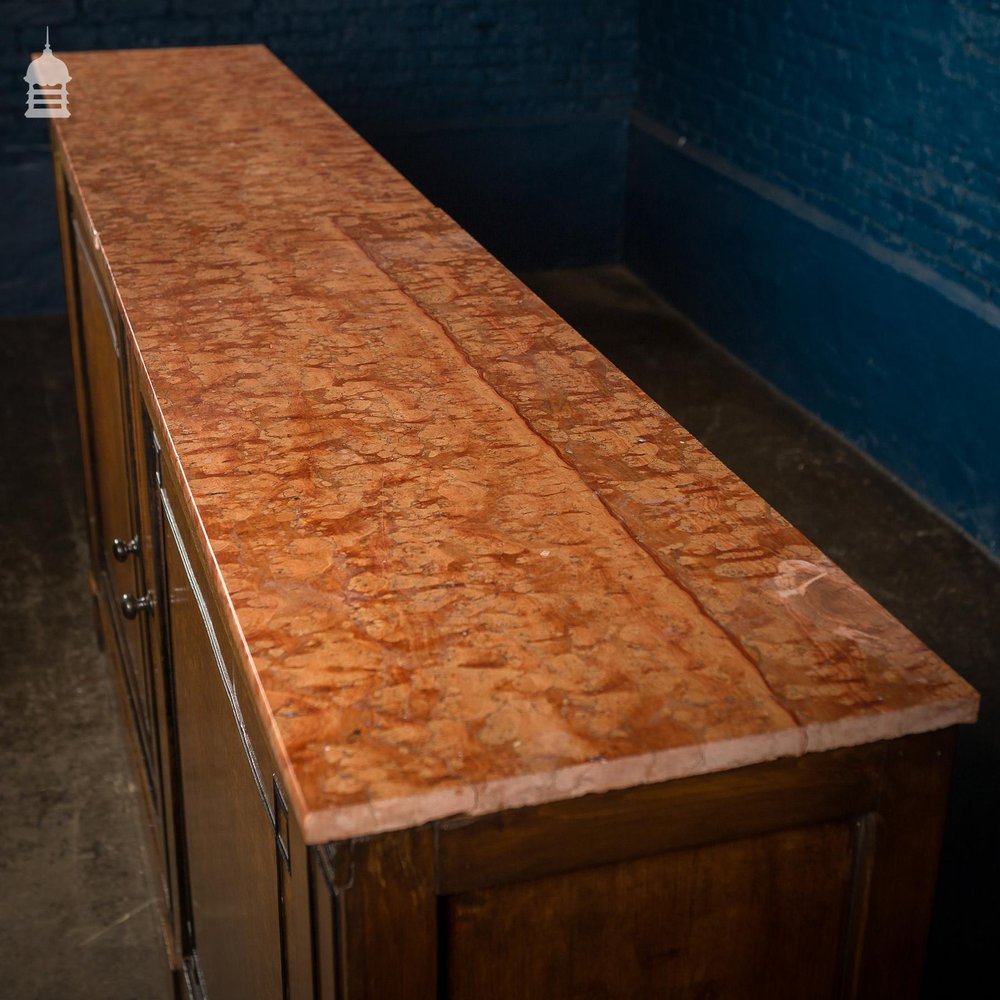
131 606
122 550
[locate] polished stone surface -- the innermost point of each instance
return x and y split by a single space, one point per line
474 566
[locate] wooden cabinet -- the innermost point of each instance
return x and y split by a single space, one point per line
119 568
218 822
121 469
804 877
454 700
218 842
784 880
233 858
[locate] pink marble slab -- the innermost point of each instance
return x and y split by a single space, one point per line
470 564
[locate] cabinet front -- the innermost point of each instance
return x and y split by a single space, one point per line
233 946
119 573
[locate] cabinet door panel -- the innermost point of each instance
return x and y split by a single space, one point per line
148 460
111 454
755 918
229 835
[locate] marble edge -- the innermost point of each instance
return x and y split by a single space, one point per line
367 819
909 721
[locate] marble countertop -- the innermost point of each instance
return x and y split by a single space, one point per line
472 565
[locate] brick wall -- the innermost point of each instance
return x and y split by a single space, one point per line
882 113
373 60
474 83
885 114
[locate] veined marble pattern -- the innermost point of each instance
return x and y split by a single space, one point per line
473 565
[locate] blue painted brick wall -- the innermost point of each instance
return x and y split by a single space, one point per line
374 60
385 65
885 114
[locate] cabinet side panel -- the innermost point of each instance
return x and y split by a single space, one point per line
544 840
907 845
754 918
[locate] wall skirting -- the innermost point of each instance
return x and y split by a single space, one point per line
902 363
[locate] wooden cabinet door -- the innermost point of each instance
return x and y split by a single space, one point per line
111 454
233 923
148 461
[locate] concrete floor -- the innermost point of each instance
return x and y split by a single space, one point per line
75 905
77 911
